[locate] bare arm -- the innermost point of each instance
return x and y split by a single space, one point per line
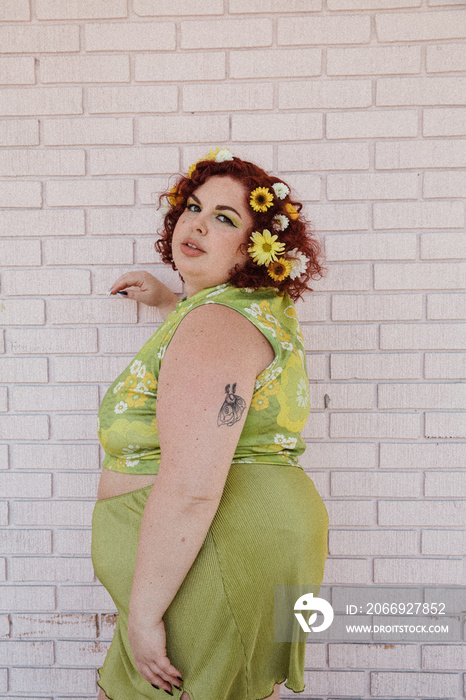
200 416
147 289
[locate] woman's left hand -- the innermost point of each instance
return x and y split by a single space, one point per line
148 643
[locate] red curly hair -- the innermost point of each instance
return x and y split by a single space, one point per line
250 274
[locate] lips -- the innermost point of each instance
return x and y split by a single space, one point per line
190 240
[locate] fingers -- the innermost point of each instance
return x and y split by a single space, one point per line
156 676
129 279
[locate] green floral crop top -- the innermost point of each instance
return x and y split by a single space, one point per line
127 424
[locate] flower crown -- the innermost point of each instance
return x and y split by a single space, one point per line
265 247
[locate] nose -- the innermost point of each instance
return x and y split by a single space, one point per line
200 223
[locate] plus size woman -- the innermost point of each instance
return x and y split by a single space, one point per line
203 508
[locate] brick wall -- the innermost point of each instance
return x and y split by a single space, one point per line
357 104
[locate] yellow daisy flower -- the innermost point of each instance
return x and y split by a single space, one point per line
261 199
265 247
174 197
280 269
292 213
212 154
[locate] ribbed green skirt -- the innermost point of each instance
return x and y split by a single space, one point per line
270 528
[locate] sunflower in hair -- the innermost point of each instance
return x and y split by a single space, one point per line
279 269
261 199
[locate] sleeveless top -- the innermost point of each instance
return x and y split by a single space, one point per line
127 423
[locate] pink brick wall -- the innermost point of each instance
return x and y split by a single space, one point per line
358 105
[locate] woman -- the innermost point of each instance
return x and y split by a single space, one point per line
202 506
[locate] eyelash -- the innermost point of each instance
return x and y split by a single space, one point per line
226 217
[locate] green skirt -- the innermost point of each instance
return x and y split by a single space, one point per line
270 529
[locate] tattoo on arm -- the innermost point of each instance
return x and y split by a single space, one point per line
232 408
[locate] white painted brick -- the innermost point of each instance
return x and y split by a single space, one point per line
19 132
276 6
351 571
89 193
56 680
21 427
111 341
68 485
67 513
299 126
316 426
3 408
217 34
323 156
372 124
84 69
339 337
423 275
55 626
378 60
445 365
125 221
2 342
323 30
21 194
81 9
371 543
104 278
368 484
33 456
94 311
445 425
39 38
370 4
91 130
441 541
422 456
390 215
23 253
444 657
375 425
420 26
418 571
324 94
341 395
14 162
27 598
14 653
41 223
53 340
428 336
150 98
437 395
447 484
180 66
446 58
315 311
107 625
158 8
34 101
17 71
371 656
344 277
4 626
26 541
275 63
82 426
372 185
443 245
194 128
445 2
72 542
121 161
94 369
23 370
14 10
149 188
59 569
130 36
46 281
370 246
446 306
19 312
375 366
83 251
3 513
420 513
146 253
227 97
54 398
81 653
84 598
444 184
420 91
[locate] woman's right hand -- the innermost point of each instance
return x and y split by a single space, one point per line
144 287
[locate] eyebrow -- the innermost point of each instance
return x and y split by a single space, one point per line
222 207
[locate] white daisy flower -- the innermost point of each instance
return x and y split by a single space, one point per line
302 395
223 154
288 442
141 373
286 345
131 462
130 450
118 387
135 366
298 261
255 310
280 222
280 189
121 407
